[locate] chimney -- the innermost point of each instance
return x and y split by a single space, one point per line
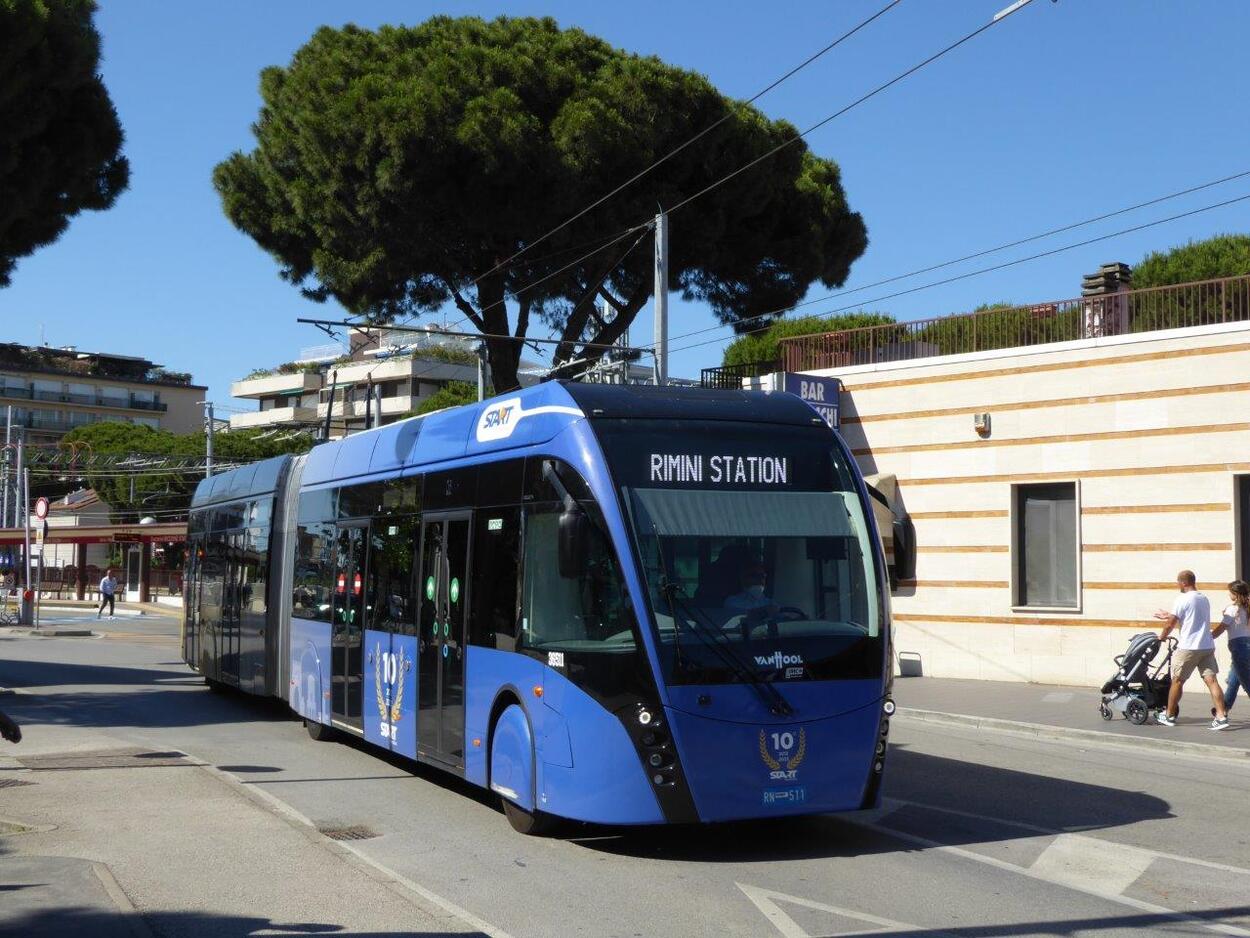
1106 313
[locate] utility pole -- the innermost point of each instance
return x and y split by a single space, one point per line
208 439
334 380
661 298
8 441
481 371
17 497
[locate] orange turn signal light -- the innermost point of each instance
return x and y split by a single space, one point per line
538 690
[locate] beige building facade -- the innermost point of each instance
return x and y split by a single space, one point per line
1056 490
55 390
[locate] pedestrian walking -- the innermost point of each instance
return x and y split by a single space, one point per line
1195 651
1235 623
108 587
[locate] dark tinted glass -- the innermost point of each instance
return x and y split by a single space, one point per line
389 599
456 488
499 483
314 571
496 566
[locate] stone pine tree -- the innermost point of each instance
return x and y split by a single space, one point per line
395 170
60 139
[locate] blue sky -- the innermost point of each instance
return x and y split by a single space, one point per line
1062 112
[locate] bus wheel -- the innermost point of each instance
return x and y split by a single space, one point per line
217 687
534 823
319 731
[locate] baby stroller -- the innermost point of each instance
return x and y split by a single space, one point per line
1135 690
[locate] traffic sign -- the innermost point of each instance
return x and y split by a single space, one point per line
41 508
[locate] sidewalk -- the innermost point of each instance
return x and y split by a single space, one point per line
1045 710
102 838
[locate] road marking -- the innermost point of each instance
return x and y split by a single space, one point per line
766 901
889 804
1088 888
1073 860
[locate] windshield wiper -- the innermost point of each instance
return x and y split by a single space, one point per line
707 632
703 627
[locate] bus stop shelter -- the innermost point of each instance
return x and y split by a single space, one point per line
136 538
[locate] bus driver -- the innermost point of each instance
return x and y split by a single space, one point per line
751 599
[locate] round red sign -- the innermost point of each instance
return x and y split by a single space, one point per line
41 508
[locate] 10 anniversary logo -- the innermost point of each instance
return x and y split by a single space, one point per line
783 757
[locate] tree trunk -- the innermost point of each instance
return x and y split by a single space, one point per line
504 355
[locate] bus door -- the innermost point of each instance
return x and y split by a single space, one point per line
347 628
440 678
229 629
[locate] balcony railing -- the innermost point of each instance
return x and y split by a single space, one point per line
1206 302
732 376
88 400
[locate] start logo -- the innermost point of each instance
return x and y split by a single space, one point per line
499 420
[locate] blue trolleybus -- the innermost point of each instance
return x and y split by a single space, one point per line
622 605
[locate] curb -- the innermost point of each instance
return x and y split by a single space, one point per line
1067 734
128 613
32 632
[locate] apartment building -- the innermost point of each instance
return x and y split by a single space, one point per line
55 390
1060 462
403 368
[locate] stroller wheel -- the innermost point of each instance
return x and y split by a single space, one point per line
1104 711
1136 712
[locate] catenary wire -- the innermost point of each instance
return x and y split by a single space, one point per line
1003 266
959 260
692 140
854 104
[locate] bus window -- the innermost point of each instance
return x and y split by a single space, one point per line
314 571
392 544
496 563
583 615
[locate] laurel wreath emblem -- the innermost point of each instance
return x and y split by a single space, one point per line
403 665
799 753
377 680
766 755
793 762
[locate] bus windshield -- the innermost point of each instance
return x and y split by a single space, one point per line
757 585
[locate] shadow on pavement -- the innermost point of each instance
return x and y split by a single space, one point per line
1054 803
96 923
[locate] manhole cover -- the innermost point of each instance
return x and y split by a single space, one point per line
13 782
355 832
106 759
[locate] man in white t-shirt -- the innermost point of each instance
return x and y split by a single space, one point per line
1195 650
108 589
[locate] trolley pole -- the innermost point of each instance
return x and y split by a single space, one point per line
26 527
661 298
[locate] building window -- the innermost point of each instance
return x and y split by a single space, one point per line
1047 551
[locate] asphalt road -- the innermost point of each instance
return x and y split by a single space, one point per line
982 834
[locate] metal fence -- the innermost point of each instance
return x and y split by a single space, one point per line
732 376
1201 303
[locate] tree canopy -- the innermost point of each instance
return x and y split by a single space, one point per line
155 492
60 139
764 345
1225 255
395 168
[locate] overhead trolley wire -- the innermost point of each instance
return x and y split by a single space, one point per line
692 140
1003 15
1003 266
967 257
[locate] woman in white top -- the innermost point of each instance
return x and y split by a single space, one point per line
1236 622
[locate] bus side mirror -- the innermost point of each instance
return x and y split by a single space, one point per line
904 548
574 545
